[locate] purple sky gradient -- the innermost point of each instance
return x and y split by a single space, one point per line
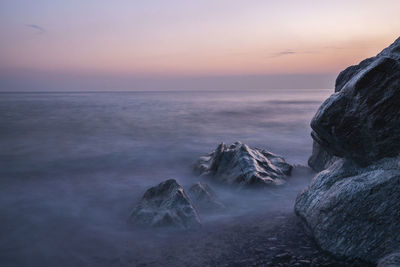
158 45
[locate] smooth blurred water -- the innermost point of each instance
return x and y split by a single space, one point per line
147 131
77 162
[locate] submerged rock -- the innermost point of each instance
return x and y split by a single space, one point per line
238 164
354 211
361 120
165 205
204 198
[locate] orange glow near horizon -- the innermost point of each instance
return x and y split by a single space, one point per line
227 38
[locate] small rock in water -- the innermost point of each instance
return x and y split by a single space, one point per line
239 164
165 205
204 198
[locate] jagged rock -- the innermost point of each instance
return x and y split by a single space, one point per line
238 164
320 158
361 120
165 205
391 260
204 198
354 211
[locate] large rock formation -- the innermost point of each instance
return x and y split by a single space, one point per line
353 211
165 205
384 100
204 198
353 208
240 165
361 120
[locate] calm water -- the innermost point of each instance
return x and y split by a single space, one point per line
77 162
147 132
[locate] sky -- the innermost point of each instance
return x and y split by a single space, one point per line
51 45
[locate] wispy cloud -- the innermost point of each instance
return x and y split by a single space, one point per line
282 53
289 52
37 28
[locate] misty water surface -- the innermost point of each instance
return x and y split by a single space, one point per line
72 165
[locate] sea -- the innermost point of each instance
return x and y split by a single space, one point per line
73 164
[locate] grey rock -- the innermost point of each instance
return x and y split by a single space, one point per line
320 158
165 205
284 255
238 164
391 260
361 120
204 198
354 211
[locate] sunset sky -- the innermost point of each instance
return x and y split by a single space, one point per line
167 44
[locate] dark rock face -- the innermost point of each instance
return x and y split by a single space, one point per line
165 205
349 72
353 211
240 165
361 120
352 208
320 158
204 198
391 260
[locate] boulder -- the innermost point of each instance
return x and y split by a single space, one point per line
391 260
320 158
361 120
238 164
204 198
354 211
165 205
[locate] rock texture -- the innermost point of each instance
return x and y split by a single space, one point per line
353 207
165 205
320 158
204 198
391 260
361 120
353 211
240 165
